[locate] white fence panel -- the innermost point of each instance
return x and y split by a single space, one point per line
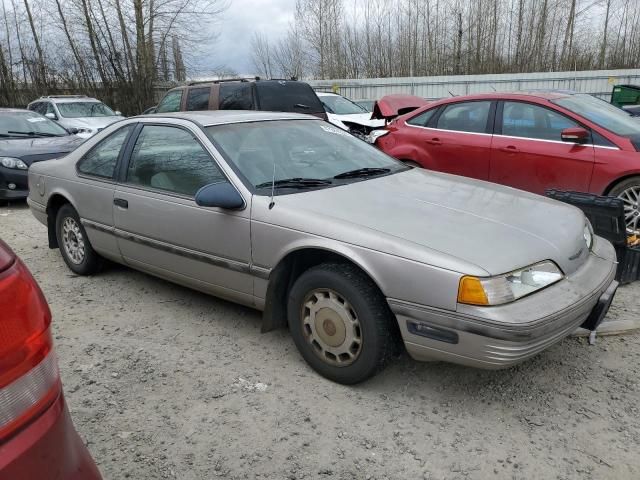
596 82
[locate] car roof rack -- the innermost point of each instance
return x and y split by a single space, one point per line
64 96
200 82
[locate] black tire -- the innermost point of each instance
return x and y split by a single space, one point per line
90 262
378 340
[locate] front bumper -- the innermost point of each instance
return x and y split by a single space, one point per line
502 336
18 178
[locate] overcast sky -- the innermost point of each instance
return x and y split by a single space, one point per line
235 29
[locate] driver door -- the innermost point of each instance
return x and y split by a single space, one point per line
161 229
527 151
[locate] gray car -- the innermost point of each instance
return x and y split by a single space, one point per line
355 252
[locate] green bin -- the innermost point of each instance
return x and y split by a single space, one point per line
625 95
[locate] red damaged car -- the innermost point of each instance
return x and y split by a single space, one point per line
37 438
527 140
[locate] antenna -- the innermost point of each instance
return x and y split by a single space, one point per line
450 93
273 186
493 88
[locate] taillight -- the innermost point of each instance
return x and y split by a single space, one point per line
29 379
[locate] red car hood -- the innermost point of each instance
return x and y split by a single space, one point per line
391 106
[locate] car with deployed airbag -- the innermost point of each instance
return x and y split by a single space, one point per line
353 251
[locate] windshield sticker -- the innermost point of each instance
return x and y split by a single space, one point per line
36 119
337 131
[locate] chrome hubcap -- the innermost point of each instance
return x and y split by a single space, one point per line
72 240
331 326
631 198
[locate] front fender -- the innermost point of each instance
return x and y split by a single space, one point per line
409 151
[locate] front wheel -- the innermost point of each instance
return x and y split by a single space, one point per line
629 192
340 322
74 244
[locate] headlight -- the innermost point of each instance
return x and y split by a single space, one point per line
508 287
375 135
11 162
588 234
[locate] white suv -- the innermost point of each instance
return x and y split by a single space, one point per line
82 115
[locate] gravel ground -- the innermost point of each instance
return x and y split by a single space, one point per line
164 382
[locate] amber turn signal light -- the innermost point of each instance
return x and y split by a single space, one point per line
470 291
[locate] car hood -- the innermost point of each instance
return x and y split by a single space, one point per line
391 106
31 150
93 123
495 228
359 118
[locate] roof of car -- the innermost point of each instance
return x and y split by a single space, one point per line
327 94
544 94
70 99
219 117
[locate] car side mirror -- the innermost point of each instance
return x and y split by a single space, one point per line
574 135
51 116
118 112
221 195
73 130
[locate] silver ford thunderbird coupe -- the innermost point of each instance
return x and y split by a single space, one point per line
355 252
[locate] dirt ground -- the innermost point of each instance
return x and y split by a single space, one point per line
164 382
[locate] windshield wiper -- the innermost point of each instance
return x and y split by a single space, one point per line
363 172
302 105
295 183
34 134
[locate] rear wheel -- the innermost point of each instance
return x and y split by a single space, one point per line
74 244
629 191
340 322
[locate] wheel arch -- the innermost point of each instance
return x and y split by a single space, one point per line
289 268
55 202
411 153
618 180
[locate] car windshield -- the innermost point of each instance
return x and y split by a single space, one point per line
28 124
340 105
601 113
304 154
84 109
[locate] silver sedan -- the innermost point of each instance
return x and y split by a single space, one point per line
355 252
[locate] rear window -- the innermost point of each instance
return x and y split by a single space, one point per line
288 96
236 96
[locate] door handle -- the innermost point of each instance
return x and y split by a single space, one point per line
510 149
120 202
434 141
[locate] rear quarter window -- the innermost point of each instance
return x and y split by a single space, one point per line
101 160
